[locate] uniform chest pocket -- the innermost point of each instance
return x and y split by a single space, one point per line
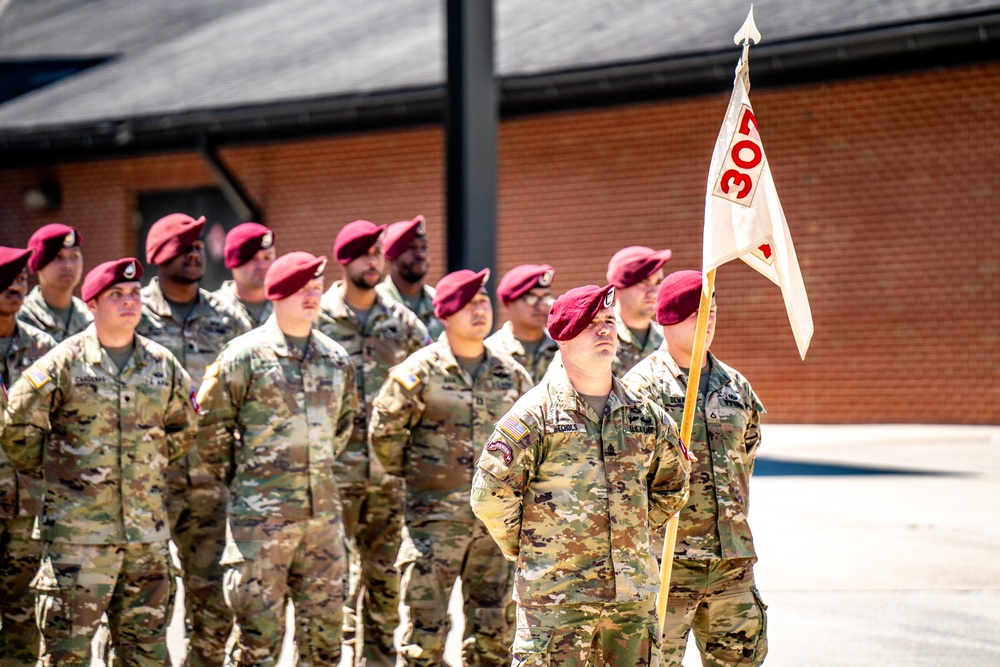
268 389
638 448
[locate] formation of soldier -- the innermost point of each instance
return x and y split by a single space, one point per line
354 446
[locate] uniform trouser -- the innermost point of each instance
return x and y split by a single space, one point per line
200 536
607 634
19 559
432 555
718 600
271 560
77 583
373 521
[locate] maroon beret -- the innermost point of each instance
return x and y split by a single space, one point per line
103 276
456 289
576 309
170 236
290 273
12 261
521 279
244 241
400 235
679 296
630 266
355 239
48 241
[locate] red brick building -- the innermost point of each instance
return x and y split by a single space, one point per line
888 178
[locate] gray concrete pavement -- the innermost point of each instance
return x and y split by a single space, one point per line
878 546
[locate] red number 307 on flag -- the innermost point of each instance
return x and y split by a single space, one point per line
744 162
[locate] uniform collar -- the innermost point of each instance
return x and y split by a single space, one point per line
426 292
653 338
565 397
718 375
36 304
513 343
273 333
335 305
153 297
94 353
624 333
450 362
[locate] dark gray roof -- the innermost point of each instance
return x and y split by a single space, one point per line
176 61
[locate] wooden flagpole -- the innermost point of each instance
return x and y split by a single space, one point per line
687 425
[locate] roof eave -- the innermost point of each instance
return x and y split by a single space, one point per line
899 48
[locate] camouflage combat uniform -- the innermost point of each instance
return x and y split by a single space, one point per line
272 422
425 307
227 296
102 442
373 502
197 501
572 497
20 503
428 425
629 351
38 314
536 365
711 585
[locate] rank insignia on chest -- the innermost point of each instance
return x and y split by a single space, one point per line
514 428
37 377
405 378
503 448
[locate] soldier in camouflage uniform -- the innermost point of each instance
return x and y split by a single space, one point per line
249 253
378 334
570 485
99 419
58 263
408 255
194 325
428 425
712 584
636 272
277 407
21 345
526 292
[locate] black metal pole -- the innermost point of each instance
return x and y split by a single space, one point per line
471 136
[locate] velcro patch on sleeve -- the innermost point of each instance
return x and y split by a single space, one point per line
503 448
405 378
513 428
37 377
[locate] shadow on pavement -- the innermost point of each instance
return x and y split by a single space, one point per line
765 467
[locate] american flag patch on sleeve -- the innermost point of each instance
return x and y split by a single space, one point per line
513 428
37 377
406 378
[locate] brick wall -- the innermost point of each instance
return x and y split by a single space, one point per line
889 185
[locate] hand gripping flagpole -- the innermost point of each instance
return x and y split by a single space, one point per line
746 33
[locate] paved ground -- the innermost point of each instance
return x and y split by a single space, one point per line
878 545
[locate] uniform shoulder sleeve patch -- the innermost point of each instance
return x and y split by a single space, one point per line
503 448
513 428
37 377
405 378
